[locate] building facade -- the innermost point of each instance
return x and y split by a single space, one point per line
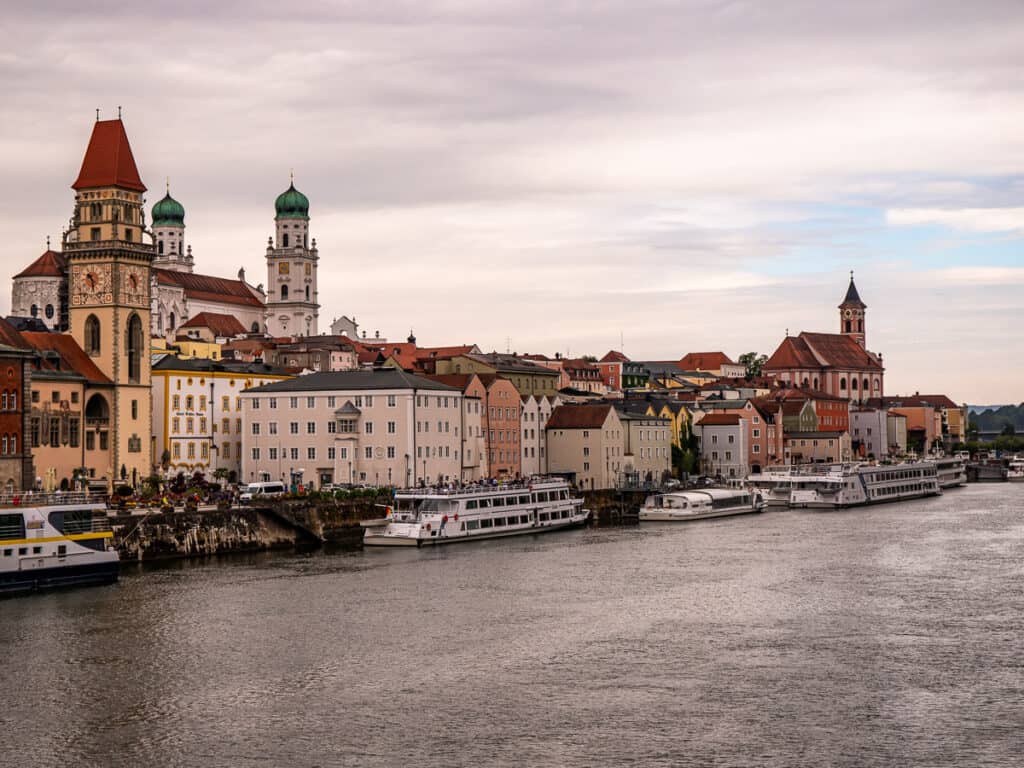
293 306
379 427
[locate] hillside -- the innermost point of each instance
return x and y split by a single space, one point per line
994 419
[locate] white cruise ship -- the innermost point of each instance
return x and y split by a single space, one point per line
775 485
950 471
852 485
699 505
54 540
426 516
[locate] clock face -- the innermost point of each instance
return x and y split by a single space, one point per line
849 313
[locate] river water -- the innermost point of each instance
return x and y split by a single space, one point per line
881 636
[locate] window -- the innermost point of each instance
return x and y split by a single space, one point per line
293 402
311 453
330 453
190 425
135 409
225 426
225 403
255 454
176 425
255 428
368 427
368 452
392 401
391 451
293 427
294 453
134 347
310 427
272 428
255 403
176 402
311 402
92 335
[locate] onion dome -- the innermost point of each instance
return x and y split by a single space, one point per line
168 212
292 204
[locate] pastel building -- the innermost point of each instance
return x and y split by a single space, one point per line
197 414
586 443
381 427
647 449
723 445
535 414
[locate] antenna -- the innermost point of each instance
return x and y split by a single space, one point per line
168 185
291 175
118 111
97 114
47 242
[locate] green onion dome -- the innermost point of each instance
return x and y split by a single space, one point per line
292 204
168 213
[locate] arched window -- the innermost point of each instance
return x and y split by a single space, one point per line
4 443
853 384
806 382
307 293
170 322
92 335
48 311
34 311
160 246
134 347
14 444
284 289
878 385
815 382
849 326
255 327
860 326
13 401
842 383
305 240
867 385
284 240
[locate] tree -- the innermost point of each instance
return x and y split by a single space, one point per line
754 363
1008 430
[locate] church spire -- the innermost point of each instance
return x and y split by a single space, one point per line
851 314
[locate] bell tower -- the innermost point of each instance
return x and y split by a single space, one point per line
109 269
851 314
293 306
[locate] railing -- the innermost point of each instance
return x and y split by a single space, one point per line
42 499
475 488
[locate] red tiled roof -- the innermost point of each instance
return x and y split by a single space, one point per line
457 380
72 355
578 417
614 357
704 361
50 264
208 288
913 401
793 407
10 336
720 420
219 325
108 160
821 350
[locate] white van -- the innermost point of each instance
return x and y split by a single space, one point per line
262 490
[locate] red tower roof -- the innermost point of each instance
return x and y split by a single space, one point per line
108 160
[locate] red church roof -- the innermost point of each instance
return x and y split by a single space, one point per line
50 264
108 160
208 288
821 350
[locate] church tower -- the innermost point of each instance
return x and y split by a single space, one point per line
851 314
108 267
169 235
292 304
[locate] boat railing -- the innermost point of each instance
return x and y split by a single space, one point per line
471 489
46 499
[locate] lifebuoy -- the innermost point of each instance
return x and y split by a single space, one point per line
456 517
444 518
426 527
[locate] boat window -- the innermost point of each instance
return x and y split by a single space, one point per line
485 503
62 550
72 521
8 552
22 550
542 496
485 523
12 526
499 521
524 499
37 550
564 494
471 504
543 516
498 501
462 526
472 525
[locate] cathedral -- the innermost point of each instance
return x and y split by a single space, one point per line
288 306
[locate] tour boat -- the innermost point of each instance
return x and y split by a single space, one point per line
54 540
698 505
950 471
1015 470
775 486
423 516
852 485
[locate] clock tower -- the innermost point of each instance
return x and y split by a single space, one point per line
109 300
851 314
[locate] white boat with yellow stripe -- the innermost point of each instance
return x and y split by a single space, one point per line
425 516
54 540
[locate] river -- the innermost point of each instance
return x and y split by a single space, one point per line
881 636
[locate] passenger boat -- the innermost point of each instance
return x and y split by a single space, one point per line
54 540
775 486
699 505
852 485
424 516
1015 470
950 471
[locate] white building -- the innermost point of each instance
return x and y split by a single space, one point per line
536 411
381 427
869 432
197 413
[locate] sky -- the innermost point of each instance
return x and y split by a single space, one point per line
540 176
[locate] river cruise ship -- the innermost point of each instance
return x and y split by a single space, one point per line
54 540
852 485
950 471
679 506
774 485
424 516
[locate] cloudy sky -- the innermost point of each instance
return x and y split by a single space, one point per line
574 177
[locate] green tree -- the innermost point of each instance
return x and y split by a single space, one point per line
754 363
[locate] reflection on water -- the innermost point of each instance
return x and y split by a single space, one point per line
880 636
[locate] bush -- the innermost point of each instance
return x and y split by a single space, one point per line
124 491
